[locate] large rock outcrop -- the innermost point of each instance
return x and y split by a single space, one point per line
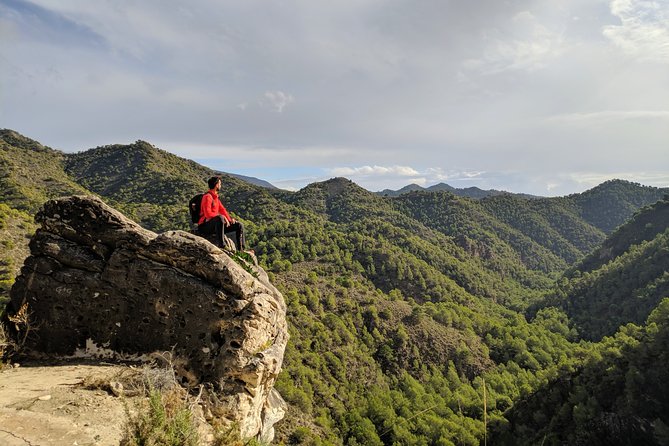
99 285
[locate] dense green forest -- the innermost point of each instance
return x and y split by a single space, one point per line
407 314
31 173
620 282
617 396
551 222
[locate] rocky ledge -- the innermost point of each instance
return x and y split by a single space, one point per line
99 285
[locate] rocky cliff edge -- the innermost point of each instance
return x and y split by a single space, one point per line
97 285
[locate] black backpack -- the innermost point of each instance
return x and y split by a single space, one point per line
194 208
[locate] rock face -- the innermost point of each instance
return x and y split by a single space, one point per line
97 284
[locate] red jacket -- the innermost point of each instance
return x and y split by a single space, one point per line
211 207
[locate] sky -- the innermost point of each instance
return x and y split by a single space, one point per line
547 97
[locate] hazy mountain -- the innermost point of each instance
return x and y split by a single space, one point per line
253 180
469 192
404 190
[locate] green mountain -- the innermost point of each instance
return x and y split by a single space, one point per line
403 311
613 202
573 226
428 255
553 223
406 189
623 280
494 244
148 184
31 173
645 225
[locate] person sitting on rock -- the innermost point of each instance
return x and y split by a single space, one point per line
215 219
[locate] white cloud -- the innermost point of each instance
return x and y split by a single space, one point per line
401 171
591 179
551 186
644 28
468 174
458 91
395 177
260 157
526 45
437 174
277 100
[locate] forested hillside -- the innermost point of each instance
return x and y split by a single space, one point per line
16 227
498 246
403 311
618 396
397 251
623 280
146 183
645 225
31 173
553 223
613 202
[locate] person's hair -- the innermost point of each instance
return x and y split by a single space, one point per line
212 182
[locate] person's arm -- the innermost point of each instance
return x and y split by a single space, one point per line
224 212
208 208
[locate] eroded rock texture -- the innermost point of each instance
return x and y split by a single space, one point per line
97 284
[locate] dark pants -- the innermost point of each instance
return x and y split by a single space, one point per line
216 226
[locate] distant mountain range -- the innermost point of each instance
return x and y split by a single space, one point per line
404 307
469 192
252 180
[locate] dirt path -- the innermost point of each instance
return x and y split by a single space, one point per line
49 406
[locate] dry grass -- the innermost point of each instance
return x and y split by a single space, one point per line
4 344
132 381
168 414
22 326
166 419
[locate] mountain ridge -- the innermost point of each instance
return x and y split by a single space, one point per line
469 192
